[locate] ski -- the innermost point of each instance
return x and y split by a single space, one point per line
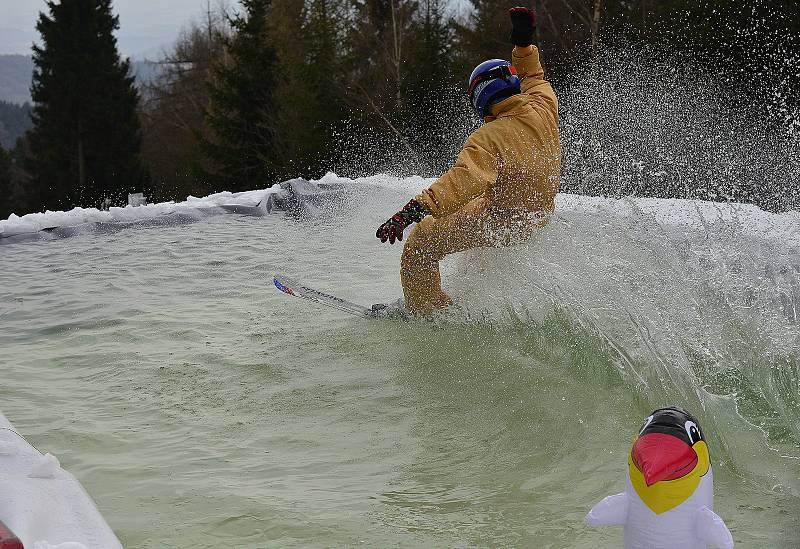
293 288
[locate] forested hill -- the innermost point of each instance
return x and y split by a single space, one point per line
15 120
16 72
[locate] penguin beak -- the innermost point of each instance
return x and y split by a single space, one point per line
662 457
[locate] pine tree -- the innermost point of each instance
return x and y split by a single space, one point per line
486 34
310 92
86 136
241 115
431 110
6 207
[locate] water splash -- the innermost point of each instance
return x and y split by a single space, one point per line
696 303
645 121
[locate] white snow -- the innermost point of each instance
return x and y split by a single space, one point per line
35 222
44 505
749 219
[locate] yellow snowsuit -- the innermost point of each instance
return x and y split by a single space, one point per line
500 189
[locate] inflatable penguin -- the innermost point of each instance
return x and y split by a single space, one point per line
668 498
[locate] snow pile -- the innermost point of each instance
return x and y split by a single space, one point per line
33 223
744 219
45 506
698 214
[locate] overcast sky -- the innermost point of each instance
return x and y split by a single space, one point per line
146 26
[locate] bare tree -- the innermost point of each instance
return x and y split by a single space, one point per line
175 101
587 12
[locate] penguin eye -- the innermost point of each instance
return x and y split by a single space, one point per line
692 431
647 422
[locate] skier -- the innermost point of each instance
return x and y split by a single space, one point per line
504 182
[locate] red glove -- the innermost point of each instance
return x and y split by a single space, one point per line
392 230
523 25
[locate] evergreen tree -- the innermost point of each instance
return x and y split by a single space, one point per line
15 120
485 36
376 50
434 108
85 140
242 111
6 207
309 93
323 74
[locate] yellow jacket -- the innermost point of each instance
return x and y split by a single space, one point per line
514 159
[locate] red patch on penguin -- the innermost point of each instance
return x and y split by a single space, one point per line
662 457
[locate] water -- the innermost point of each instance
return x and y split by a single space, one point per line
202 408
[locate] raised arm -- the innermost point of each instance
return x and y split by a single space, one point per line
529 68
525 57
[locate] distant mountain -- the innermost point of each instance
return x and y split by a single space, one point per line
16 72
15 78
16 40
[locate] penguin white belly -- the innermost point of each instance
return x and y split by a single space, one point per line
676 528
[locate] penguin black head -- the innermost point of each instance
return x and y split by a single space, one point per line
673 421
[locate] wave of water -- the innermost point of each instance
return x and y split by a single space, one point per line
695 307
696 301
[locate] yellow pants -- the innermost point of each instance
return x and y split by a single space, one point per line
476 225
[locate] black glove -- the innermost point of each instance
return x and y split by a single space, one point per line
392 230
523 25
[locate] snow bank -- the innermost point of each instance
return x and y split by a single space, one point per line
666 212
44 505
212 204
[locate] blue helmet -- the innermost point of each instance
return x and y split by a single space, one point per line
491 81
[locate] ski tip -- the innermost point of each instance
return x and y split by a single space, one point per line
282 287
